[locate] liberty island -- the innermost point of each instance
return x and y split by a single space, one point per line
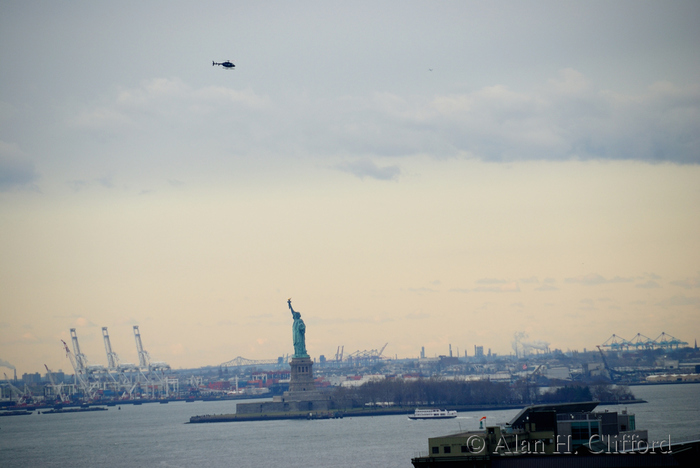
302 396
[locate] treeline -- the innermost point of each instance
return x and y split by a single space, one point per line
573 393
437 392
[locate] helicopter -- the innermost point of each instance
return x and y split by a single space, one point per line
227 64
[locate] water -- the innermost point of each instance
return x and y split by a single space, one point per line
672 410
156 435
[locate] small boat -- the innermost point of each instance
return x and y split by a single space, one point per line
433 414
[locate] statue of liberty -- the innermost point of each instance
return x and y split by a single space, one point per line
298 333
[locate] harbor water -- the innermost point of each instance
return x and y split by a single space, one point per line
156 435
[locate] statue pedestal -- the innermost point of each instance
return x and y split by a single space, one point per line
302 396
302 377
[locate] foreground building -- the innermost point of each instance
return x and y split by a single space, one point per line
567 434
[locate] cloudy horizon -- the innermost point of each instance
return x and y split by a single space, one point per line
409 173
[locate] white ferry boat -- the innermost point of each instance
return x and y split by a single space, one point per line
433 414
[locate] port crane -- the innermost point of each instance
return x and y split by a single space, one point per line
80 374
80 359
126 374
57 388
663 341
372 355
613 375
144 358
667 341
153 371
120 377
339 354
23 397
95 375
529 382
112 358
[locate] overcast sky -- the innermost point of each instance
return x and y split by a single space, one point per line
411 173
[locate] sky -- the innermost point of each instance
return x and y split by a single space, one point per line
422 174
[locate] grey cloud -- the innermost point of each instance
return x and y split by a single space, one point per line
15 171
596 279
495 286
355 91
547 287
661 124
566 119
688 283
157 115
81 184
491 281
500 288
366 168
648 285
587 279
680 301
106 181
78 185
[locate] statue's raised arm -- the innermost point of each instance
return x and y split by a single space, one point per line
289 302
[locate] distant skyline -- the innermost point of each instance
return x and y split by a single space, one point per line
409 173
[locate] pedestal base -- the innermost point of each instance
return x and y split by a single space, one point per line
302 377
